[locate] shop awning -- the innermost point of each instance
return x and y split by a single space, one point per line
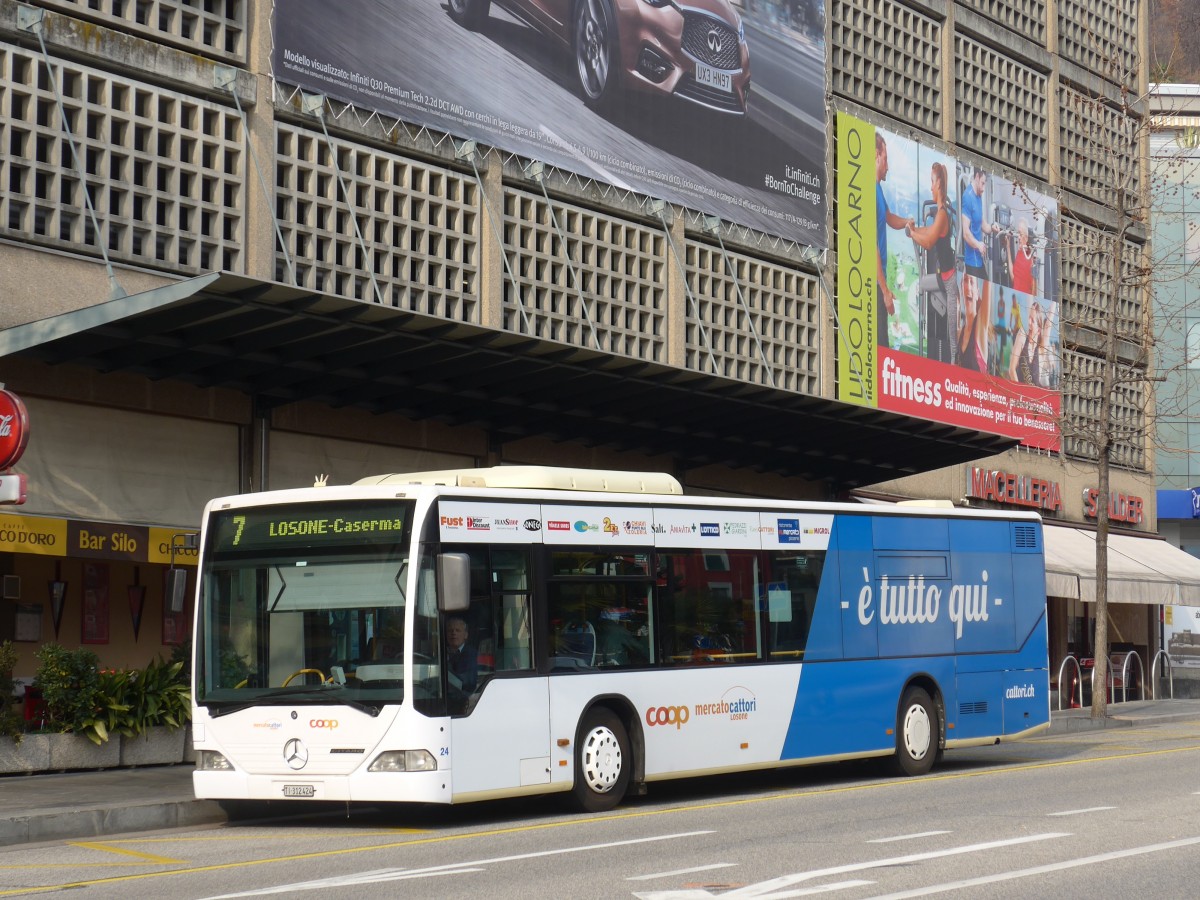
282 345
1140 569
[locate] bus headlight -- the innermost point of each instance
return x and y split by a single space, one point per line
404 761
212 761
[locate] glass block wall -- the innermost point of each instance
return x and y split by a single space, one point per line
378 212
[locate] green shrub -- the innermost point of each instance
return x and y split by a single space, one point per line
10 719
98 703
156 696
70 684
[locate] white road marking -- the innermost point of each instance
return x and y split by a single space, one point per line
1039 870
1077 812
768 888
680 872
907 837
700 894
474 865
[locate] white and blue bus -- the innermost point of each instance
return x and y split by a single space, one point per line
444 637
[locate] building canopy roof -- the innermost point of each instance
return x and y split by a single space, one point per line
284 345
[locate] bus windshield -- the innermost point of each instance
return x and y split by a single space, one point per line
304 606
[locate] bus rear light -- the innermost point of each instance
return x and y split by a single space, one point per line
404 761
212 761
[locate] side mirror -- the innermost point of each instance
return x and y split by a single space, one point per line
454 582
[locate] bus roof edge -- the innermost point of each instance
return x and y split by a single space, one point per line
546 477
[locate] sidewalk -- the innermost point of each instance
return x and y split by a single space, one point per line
84 805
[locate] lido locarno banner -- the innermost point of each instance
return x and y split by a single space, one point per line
948 289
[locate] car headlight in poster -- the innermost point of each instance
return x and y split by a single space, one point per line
715 105
948 289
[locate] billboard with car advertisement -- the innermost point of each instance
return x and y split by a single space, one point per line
715 105
948 289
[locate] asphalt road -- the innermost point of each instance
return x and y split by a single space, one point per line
509 86
1106 813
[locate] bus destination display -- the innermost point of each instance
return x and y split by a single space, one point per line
337 524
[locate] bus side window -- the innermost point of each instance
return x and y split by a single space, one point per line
513 651
499 616
707 604
791 594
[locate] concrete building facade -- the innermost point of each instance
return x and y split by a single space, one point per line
260 285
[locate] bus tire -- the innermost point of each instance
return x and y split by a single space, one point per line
916 733
602 761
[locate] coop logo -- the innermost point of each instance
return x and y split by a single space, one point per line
710 529
329 724
668 715
1020 692
532 525
789 531
453 521
475 523
554 525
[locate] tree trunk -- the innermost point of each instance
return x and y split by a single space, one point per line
1104 443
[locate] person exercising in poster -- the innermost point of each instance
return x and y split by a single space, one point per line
884 219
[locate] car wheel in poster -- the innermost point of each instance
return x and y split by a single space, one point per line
596 51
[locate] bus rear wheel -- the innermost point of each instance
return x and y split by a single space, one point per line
602 761
916 733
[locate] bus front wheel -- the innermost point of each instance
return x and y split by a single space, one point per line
602 761
916 733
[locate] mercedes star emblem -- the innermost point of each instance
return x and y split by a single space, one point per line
295 754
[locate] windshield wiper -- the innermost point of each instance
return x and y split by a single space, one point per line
323 693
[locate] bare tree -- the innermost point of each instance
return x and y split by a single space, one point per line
1111 367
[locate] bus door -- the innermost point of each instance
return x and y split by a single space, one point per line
499 706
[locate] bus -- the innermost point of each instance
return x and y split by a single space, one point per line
617 633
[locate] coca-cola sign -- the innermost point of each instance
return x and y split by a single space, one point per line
14 428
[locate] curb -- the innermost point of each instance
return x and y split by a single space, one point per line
83 823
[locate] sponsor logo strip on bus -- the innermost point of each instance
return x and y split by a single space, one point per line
678 527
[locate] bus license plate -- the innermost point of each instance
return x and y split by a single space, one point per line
714 78
299 790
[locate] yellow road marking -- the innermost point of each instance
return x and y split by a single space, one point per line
108 848
439 839
283 835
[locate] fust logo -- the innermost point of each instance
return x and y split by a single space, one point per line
452 521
